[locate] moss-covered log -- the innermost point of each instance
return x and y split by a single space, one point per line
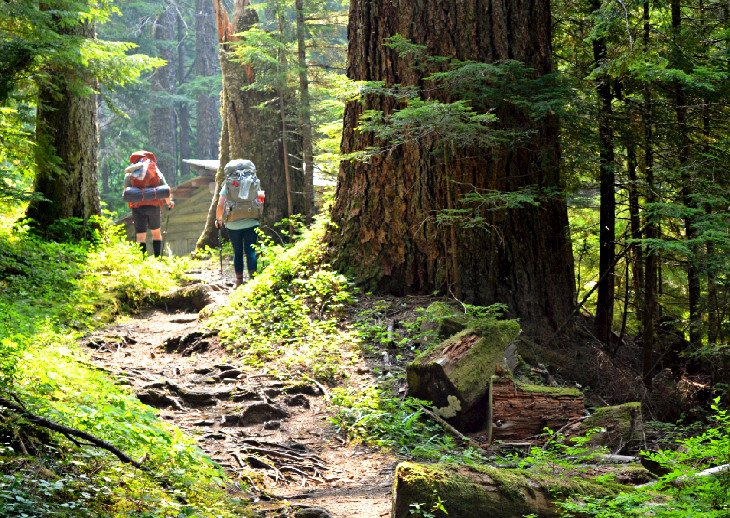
484 492
621 427
455 374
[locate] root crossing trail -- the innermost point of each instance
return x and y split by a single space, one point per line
271 437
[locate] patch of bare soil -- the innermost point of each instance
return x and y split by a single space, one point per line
271 437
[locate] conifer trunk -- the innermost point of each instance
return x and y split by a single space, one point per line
66 155
183 112
607 230
386 209
680 108
637 256
649 312
305 116
249 132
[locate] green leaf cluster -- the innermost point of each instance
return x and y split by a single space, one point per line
373 416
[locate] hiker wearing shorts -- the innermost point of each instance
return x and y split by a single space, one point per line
143 173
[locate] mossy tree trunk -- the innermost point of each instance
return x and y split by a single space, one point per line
247 131
484 492
455 375
67 137
385 209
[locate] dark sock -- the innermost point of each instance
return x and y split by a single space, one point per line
157 247
143 247
239 278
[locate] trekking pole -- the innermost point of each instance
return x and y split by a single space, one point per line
220 249
164 232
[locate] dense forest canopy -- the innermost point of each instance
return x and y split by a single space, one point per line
560 166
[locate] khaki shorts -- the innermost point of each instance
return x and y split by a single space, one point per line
146 217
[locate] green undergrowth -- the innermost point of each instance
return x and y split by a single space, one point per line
288 319
684 491
374 416
52 293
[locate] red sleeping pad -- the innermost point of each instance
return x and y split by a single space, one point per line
134 194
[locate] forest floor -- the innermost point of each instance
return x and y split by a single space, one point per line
274 439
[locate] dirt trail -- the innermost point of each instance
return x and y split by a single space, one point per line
248 422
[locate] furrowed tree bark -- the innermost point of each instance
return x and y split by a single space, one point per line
163 127
66 156
385 209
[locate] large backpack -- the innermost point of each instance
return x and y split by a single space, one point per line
150 179
242 187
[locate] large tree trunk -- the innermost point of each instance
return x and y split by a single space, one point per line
249 132
607 226
163 133
385 209
66 158
206 65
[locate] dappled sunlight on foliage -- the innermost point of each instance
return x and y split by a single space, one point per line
286 318
52 293
683 491
375 417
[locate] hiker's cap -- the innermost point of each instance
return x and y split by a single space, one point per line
142 155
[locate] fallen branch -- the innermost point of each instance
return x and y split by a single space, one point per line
468 440
70 433
685 479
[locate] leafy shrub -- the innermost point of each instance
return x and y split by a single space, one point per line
287 316
374 417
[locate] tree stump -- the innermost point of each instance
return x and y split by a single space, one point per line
521 410
455 374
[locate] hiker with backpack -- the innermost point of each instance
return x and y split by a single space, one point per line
146 190
240 204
